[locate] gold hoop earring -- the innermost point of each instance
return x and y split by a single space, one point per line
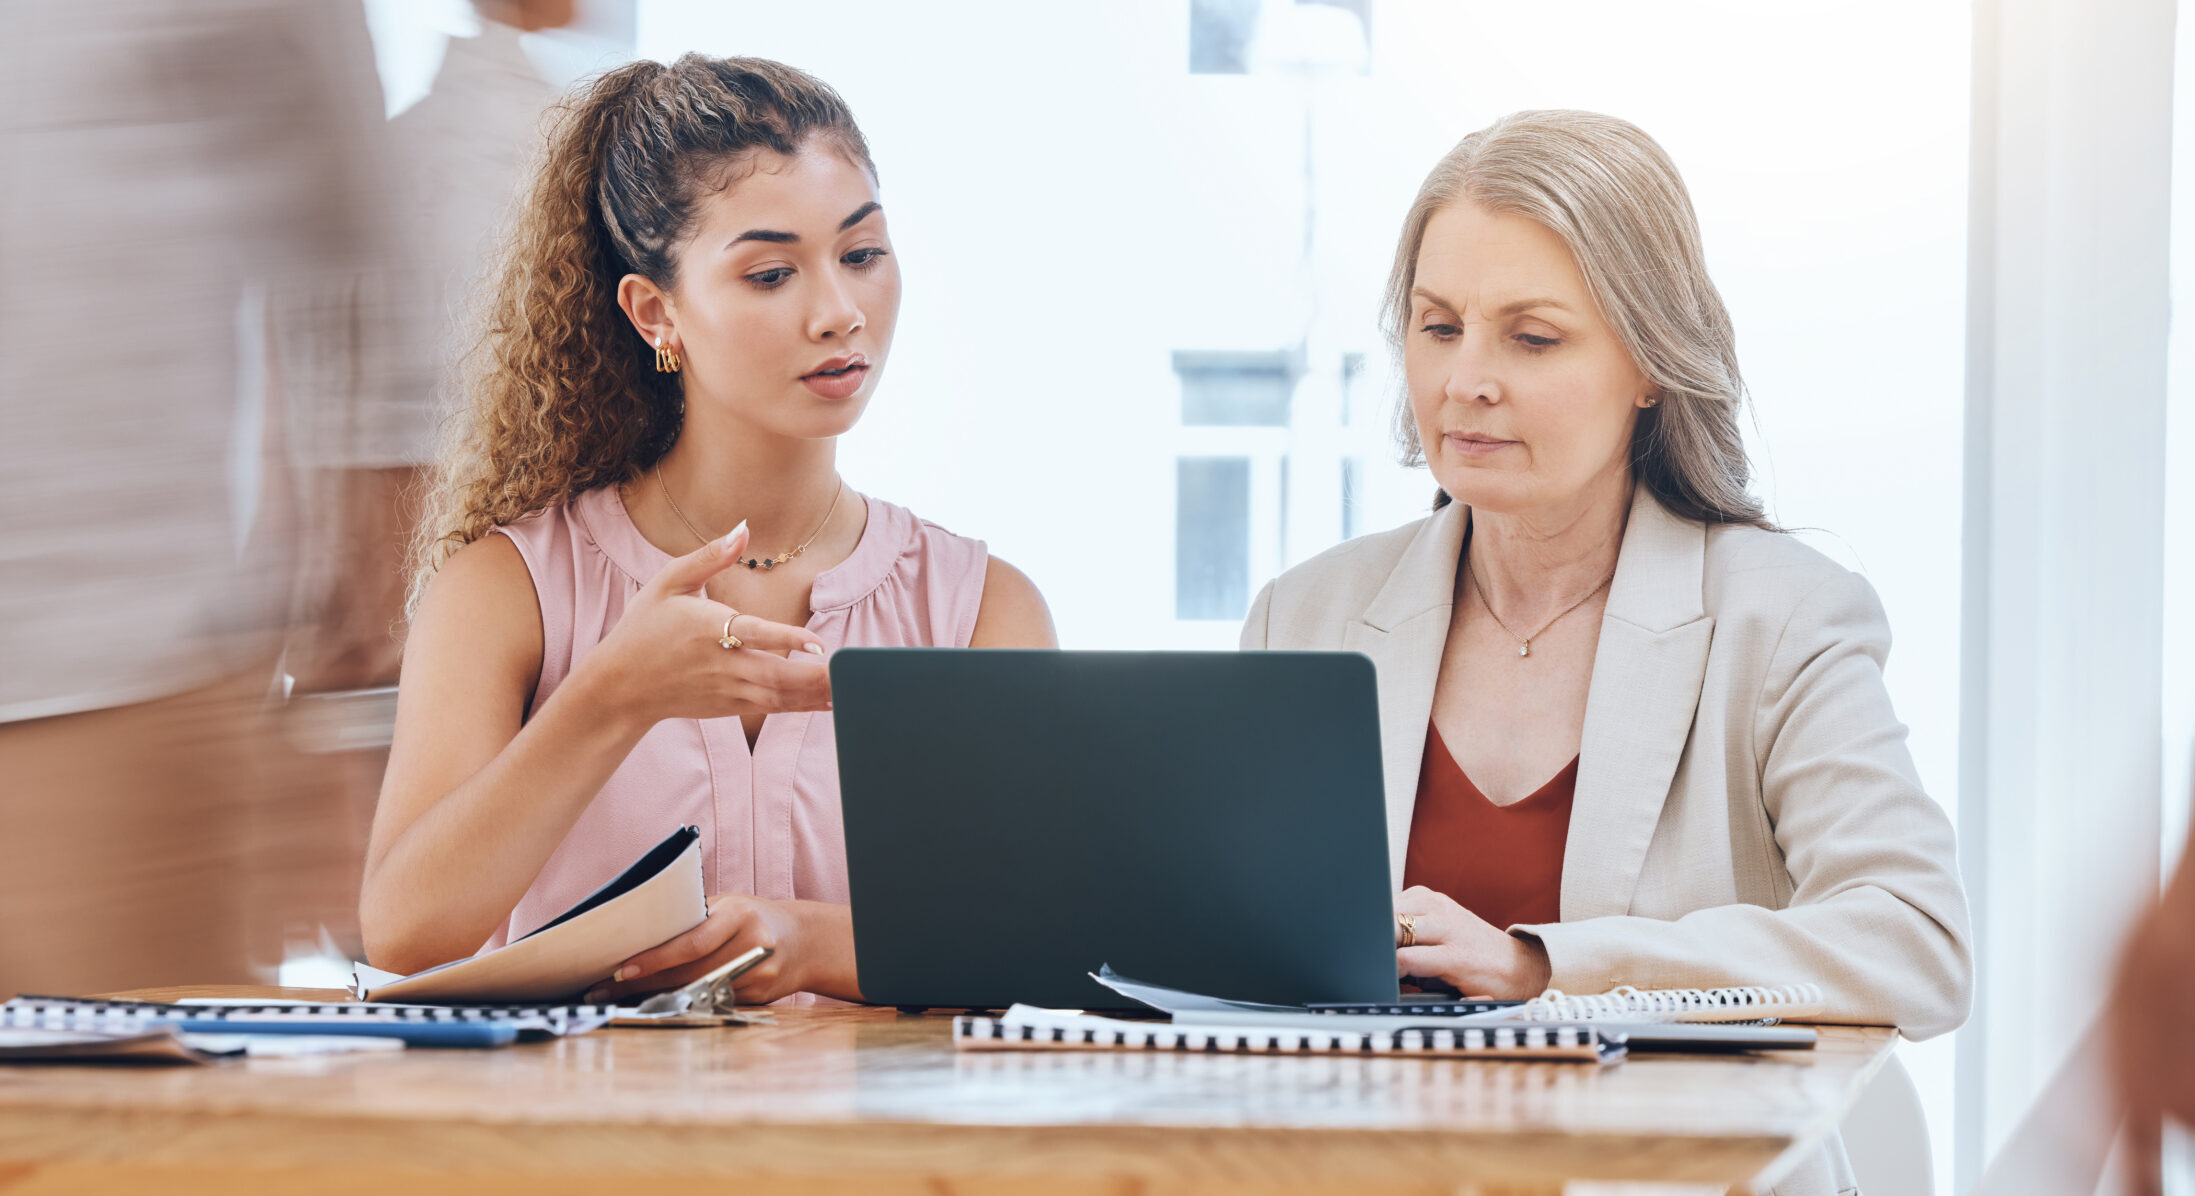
666 360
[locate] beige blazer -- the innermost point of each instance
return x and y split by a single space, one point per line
1746 809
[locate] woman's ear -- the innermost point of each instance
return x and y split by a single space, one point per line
1650 397
650 310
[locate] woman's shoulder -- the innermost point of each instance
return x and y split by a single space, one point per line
470 607
1309 603
540 535
901 557
554 521
930 536
584 542
1768 580
490 566
983 601
912 542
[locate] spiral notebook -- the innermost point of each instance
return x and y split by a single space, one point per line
1633 1006
1024 1027
1636 1005
416 1024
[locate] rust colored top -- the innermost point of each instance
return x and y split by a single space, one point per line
1503 863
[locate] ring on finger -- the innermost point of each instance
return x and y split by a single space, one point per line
728 640
1409 925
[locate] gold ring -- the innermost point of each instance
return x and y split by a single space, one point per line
729 640
1409 926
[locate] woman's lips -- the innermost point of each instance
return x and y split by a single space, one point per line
1476 446
837 386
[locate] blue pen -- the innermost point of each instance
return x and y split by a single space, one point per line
414 1033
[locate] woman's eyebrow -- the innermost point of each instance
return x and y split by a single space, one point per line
1507 309
778 238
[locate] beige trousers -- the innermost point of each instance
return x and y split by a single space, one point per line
176 841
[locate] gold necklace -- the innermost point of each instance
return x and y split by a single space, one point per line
1524 643
766 562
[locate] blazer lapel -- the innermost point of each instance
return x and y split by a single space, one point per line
1405 630
1647 673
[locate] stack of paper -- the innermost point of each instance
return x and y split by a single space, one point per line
1656 1021
166 1044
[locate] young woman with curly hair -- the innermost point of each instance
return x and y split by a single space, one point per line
639 549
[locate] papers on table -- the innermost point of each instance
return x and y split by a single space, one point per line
656 900
1187 1008
165 1044
1652 1023
418 1025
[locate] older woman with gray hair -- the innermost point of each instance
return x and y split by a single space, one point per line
1598 599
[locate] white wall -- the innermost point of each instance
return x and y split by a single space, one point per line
2069 303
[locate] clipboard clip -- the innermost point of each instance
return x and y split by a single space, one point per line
709 996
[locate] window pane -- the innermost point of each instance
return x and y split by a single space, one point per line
1349 498
1212 538
1219 36
1235 390
1353 402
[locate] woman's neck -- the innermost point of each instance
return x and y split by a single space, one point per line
1534 563
718 475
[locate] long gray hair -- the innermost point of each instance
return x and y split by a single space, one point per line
1614 197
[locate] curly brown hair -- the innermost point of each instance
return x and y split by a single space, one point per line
560 394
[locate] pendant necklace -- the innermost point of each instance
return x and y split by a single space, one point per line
763 562
1524 643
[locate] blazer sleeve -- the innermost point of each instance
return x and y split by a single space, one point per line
1876 914
1256 628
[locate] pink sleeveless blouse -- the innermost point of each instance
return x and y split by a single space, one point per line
769 818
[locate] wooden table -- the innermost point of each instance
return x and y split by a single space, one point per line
860 1100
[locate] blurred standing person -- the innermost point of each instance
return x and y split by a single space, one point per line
464 148
170 170
456 160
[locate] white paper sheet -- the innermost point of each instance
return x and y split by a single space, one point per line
567 958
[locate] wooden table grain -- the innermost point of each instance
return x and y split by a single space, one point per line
863 1100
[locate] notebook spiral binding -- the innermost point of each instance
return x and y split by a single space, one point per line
1497 1041
1692 1004
31 1010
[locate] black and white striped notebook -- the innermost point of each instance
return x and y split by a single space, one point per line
1024 1028
79 1013
1702 1005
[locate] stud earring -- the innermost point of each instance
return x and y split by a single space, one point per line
666 360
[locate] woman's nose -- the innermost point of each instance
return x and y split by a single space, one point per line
1472 376
836 314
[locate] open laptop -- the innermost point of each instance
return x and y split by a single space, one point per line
1210 821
